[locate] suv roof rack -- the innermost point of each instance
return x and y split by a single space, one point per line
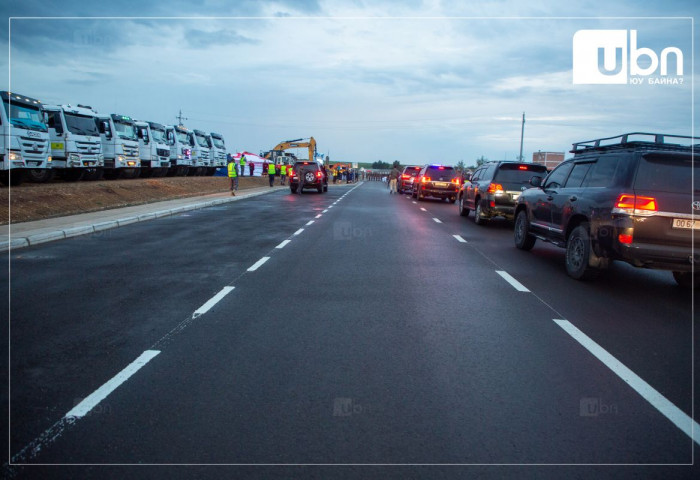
646 141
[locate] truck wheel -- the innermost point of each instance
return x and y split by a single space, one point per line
40 175
521 232
73 174
478 218
92 174
685 279
12 178
578 253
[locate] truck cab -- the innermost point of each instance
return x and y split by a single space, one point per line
178 140
76 148
218 151
120 146
24 140
201 152
154 151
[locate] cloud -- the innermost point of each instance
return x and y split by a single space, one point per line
203 39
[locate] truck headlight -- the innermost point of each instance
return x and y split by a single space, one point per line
49 160
15 156
120 158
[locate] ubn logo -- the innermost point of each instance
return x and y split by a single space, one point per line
600 57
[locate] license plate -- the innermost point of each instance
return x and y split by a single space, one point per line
441 184
687 224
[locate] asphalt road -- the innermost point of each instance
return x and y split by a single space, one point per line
372 343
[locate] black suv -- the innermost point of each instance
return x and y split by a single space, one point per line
406 179
618 198
437 181
493 189
308 175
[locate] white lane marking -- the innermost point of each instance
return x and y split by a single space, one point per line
658 401
283 244
437 220
257 264
298 231
330 206
414 202
319 215
88 403
423 209
516 284
212 301
460 239
309 222
325 211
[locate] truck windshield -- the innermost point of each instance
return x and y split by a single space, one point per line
126 131
202 141
219 143
25 116
182 137
158 135
81 124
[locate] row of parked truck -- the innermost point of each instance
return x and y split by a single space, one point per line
40 142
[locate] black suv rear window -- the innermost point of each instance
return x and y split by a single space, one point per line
666 173
440 173
518 173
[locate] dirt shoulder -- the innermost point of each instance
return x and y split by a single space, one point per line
32 201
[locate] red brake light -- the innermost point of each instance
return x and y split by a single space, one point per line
624 238
494 188
455 180
628 201
522 167
425 179
441 168
319 174
404 176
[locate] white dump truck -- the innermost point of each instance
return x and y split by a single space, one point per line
178 139
154 151
201 153
120 146
76 148
24 140
218 151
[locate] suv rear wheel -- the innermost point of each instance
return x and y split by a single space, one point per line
478 219
578 253
521 232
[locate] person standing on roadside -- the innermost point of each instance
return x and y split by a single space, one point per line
393 179
271 173
242 165
251 166
283 173
233 176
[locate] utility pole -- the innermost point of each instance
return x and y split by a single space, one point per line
522 134
180 118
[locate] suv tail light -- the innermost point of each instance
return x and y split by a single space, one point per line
425 179
404 176
495 188
455 181
635 204
319 174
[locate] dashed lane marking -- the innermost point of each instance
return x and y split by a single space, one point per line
516 284
258 264
212 301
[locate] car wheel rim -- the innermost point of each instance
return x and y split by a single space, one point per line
576 253
519 229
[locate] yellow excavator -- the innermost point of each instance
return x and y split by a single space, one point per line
278 151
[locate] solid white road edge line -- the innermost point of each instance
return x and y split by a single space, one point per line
437 220
257 264
212 301
648 393
516 284
298 231
84 407
459 238
283 244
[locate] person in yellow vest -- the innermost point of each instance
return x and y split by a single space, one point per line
243 165
271 173
233 176
283 173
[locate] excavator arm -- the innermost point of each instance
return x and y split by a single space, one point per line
298 143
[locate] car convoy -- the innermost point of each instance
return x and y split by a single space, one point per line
626 198
39 142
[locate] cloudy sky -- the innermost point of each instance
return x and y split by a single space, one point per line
414 81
